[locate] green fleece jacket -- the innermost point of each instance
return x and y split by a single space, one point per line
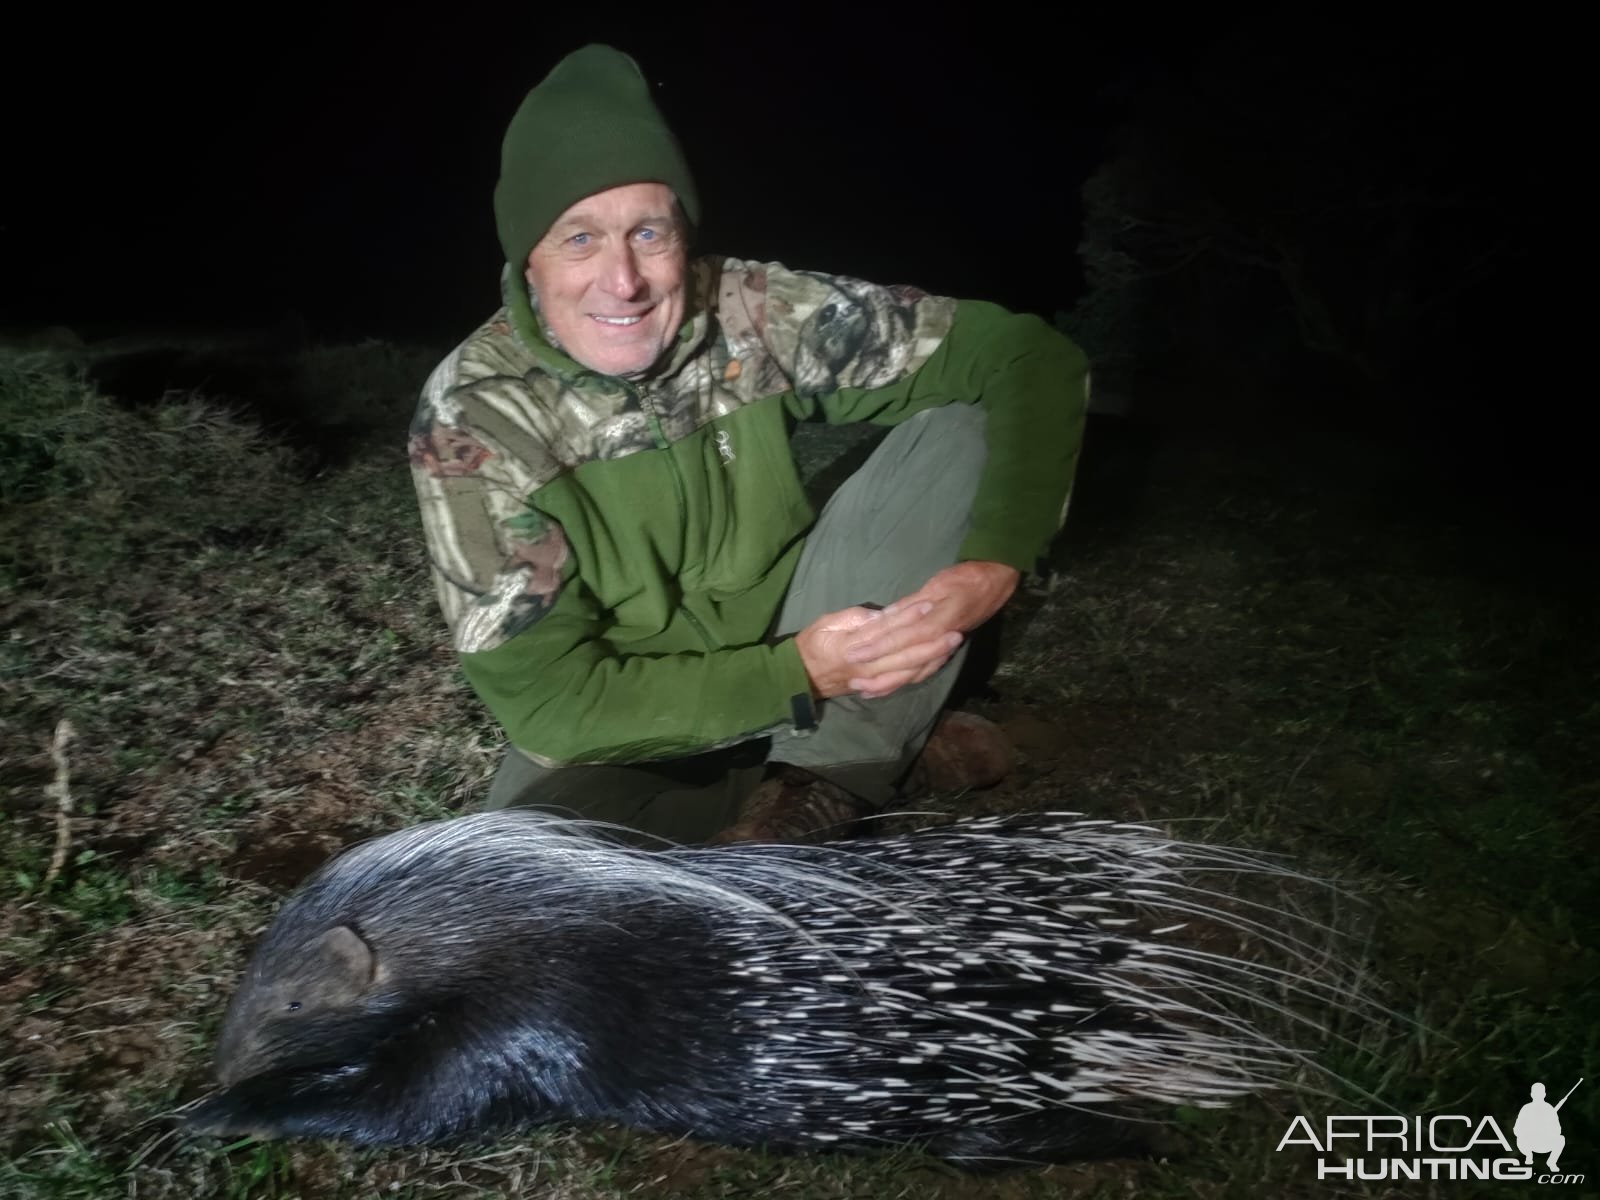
610 554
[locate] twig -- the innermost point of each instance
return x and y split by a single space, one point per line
63 795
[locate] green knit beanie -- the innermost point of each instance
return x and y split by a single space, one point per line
590 125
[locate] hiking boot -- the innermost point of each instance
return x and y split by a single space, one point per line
795 807
964 752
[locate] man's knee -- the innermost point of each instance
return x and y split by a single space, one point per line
951 431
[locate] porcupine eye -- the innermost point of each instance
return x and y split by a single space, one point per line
292 1006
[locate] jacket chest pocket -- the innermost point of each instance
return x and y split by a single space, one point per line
754 506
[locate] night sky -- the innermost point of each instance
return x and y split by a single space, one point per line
343 168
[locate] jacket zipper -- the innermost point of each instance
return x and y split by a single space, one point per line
664 446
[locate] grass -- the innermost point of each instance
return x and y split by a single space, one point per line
1257 645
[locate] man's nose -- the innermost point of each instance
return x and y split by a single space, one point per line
621 275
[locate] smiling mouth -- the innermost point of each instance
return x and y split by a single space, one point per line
620 322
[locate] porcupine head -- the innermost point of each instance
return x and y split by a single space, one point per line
439 982
371 1010
297 997
370 1025
272 1009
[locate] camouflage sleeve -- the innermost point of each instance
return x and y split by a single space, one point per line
497 561
814 334
858 352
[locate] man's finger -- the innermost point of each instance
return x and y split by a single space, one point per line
875 687
892 632
912 658
905 602
847 620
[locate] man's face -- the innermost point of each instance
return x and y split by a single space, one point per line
608 276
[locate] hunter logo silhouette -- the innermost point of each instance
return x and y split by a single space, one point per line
1538 1127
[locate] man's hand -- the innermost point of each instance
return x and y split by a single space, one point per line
824 642
916 635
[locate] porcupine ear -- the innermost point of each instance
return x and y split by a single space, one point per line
341 964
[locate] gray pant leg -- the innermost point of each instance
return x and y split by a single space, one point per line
890 527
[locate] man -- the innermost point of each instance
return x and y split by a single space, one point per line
633 577
1538 1127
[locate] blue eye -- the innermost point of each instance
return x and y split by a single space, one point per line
648 235
580 239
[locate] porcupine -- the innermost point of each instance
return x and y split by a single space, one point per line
997 988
